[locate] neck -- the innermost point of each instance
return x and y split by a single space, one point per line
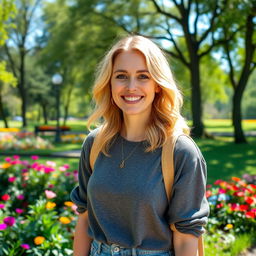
134 127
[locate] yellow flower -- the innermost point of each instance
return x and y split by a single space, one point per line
39 240
69 203
5 165
229 226
64 220
50 205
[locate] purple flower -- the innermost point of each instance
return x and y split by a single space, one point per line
25 246
24 170
2 206
9 221
3 226
20 197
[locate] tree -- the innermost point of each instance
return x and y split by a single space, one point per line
7 11
19 45
240 54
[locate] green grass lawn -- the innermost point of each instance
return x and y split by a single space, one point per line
224 158
212 125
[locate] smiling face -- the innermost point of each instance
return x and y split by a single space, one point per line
133 89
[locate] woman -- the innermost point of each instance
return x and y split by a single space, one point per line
122 204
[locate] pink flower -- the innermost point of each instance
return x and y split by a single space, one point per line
48 169
5 197
20 197
16 157
3 226
11 179
2 206
67 174
19 211
66 166
51 163
50 186
222 191
49 194
217 182
9 221
8 159
62 169
34 157
25 246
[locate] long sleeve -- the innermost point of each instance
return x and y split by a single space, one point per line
188 208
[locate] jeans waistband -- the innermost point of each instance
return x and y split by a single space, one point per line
113 249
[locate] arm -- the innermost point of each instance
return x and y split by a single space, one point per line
185 244
82 242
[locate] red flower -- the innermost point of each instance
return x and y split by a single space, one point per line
239 194
250 214
5 197
249 200
243 207
219 205
234 207
235 188
253 186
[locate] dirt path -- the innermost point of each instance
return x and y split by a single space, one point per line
250 252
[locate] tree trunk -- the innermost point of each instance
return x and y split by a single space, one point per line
45 114
2 113
22 88
239 89
196 103
237 118
66 106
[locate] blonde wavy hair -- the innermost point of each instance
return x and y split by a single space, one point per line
166 119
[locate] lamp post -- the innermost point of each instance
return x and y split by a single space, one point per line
57 80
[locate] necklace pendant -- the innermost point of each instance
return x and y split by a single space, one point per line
122 164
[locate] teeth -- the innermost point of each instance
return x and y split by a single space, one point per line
132 98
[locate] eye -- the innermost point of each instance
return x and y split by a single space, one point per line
121 76
143 76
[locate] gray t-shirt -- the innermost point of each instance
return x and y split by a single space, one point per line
129 206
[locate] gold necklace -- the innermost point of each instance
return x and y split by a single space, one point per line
122 163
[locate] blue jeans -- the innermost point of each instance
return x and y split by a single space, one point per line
102 249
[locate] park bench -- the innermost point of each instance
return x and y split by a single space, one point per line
46 128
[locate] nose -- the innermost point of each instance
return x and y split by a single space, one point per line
131 86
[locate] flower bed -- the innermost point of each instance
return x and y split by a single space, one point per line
37 217
22 140
73 138
233 211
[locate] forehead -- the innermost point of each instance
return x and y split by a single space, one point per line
130 60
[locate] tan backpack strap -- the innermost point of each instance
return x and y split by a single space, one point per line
168 165
167 160
95 150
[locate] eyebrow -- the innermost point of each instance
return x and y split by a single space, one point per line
138 71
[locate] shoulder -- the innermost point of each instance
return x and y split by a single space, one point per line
90 138
186 147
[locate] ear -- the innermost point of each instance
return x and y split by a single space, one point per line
157 89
